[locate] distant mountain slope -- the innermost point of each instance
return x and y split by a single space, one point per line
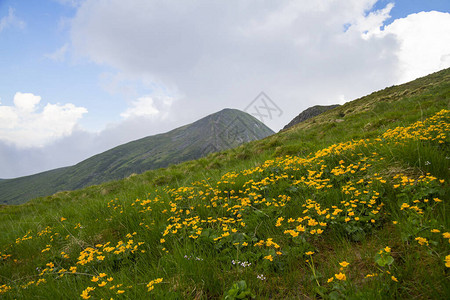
225 129
310 113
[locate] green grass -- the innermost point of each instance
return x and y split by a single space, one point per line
257 193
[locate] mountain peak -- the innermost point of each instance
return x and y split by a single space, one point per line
222 130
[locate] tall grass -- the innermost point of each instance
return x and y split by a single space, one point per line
357 218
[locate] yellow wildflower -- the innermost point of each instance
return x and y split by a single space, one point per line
268 257
85 293
344 264
340 276
422 241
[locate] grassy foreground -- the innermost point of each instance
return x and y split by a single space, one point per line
324 210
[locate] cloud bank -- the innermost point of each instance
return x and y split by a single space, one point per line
424 43
26 124
223 54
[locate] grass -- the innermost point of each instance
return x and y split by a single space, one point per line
354 209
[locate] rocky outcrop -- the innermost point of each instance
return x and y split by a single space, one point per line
310 113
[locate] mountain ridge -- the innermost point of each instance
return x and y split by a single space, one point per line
222 130
309 113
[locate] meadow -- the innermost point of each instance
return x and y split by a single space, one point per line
354 216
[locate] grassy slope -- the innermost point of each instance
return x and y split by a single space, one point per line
109 212
181 144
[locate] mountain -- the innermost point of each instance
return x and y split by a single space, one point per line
222 130
310 113
351 204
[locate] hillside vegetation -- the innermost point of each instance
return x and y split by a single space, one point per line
219 131
350 209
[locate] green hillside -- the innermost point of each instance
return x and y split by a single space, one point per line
326 209
225 129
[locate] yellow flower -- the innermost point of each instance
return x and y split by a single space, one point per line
309 253
344 264
85 293
94 279
387 249
62 219
101 275
422 241
151 283
435 230
393 278
340 276
120 291
330 279
268 257
102 284
447 261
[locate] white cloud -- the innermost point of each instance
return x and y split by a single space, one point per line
26 102
149 107
59 55
26 125
424 43
142 107
11 21
372 23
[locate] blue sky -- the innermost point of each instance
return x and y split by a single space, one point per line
79 77
27 66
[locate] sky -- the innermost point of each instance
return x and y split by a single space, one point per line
79 77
